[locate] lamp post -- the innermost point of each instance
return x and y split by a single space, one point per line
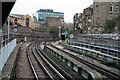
8 28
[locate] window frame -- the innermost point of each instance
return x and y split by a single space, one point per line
117 8
111 8
97 9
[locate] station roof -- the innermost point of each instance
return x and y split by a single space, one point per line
6 8
17 16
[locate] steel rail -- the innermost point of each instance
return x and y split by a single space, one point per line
108 73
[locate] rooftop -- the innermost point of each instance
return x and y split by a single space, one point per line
48 10
106 0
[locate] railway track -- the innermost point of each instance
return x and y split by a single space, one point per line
108 73
41 67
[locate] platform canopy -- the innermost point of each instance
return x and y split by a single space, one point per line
5 8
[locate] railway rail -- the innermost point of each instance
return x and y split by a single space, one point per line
41 66
60 70
108 73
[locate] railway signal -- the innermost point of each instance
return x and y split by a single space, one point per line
15 21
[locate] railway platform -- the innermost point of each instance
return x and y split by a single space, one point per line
81 56
78 67
91 60
7 69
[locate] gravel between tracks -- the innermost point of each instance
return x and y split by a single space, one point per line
23 70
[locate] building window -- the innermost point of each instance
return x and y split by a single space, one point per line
111 7
89 20
97 9
98 21
27 22
117 9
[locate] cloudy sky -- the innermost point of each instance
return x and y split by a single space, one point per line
69 7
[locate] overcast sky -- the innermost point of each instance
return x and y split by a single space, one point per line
69 7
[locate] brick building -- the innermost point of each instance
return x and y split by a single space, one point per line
53 21
102 11
94 17
77 21
24 20
87 19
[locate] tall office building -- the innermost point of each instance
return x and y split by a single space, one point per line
41 15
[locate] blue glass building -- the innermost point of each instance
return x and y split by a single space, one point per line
41 14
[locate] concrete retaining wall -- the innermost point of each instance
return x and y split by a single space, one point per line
5 52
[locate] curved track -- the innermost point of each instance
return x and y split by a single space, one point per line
40 65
